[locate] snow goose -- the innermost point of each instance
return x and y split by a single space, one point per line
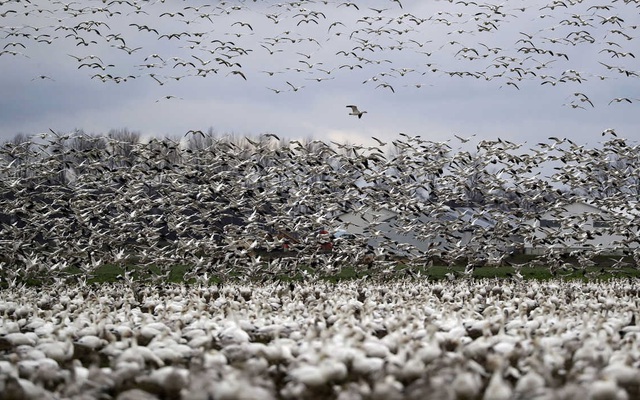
355 111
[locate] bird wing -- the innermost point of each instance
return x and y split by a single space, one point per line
353 108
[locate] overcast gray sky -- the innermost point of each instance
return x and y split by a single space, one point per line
419 50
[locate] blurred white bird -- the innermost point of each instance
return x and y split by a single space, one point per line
355 111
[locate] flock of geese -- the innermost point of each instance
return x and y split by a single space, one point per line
71 203
294 45
484 339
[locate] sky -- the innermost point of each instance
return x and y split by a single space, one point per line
516 70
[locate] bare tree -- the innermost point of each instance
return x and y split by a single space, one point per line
85 153
122 144
19 153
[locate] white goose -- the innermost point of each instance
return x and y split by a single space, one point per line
355 111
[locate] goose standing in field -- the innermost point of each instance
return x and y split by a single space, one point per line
355 111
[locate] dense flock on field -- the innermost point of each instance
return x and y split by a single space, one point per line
73 202
463 339
247 212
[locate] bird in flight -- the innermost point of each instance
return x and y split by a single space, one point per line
168 97
355 111
43 77
621 99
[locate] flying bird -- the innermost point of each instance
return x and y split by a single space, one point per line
355 111
462 139
43 77
620 99
238 73
168 97
194 132
294 88
386 85
277 91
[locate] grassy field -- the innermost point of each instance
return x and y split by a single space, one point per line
439 272
602 270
